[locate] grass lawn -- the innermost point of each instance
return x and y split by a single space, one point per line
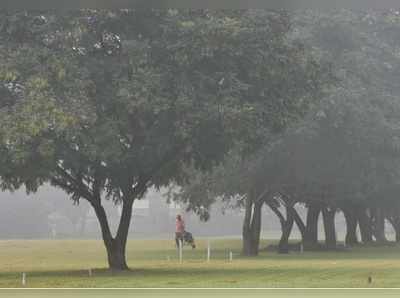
208 293
154 263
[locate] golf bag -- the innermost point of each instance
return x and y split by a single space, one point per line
188 239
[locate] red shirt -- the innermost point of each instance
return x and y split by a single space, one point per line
180 226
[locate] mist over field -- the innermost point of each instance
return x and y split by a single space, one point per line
48 214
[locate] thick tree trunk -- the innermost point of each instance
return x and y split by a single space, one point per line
116 256
115 246
328 216
251 228
311 233
287 227
125 221
351 227
249 247
365 226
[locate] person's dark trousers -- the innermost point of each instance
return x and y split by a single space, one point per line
178 237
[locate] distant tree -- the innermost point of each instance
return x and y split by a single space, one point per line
346 158
22 217
344 155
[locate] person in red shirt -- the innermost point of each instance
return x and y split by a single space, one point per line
179 229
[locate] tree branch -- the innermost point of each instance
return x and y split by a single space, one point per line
80 188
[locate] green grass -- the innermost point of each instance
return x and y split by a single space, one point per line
199 293
65 263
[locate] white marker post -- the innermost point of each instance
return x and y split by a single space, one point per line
301 248
23 279
90 272
180 250
208 251
230 256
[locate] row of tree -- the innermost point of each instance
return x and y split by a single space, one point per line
105 104
343 156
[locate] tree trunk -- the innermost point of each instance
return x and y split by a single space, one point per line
379 225
396 227
328 216
247 247
397 230
251 228
351 227
115 246
116 256
311 233
365 226
299 222
256 225
286 228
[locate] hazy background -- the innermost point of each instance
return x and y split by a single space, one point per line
49 214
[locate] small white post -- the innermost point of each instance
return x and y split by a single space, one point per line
180 250
301 248
208 250
90 272
230 256
168 258
23 278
